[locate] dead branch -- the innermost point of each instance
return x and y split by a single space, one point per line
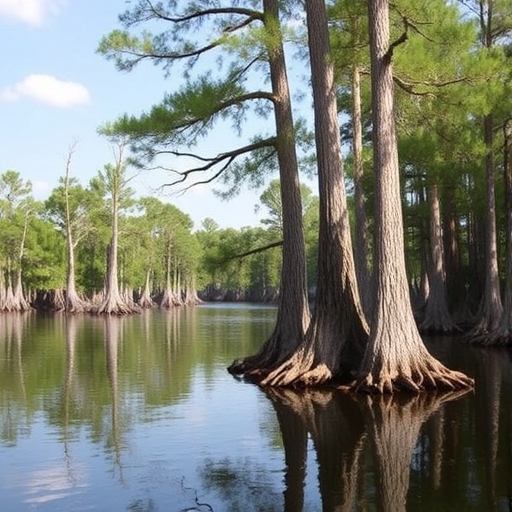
254 251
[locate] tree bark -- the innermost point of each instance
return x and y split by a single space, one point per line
335 339
73 303
113 302
20 303
361 225
170 297
395 356
293 309
437 317
145 300
502 334
491 308
456 289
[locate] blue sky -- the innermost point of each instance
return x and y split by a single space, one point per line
55 90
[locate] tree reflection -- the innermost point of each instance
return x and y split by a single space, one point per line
394 424
112 336
71 329
13 380
295 439
339 424
492 373
335 423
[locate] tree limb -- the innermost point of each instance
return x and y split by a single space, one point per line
254 251
249 13
410 86
226 159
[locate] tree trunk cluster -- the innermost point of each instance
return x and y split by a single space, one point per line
338 347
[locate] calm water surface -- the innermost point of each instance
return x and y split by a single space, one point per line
139 414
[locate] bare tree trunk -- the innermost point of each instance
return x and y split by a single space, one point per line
19 298
502 334
3 289
335 339
491 308
19 301
176 286
422 292
113 302
456 286
395 356
9 303
361 224
191 298
145 300
169 298
293 308
74 303
437 317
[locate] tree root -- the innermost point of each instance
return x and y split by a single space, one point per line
295 371
116 308
435 377
499 338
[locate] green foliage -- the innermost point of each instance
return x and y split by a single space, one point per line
16 207
186 116
237 41
44 257
232 261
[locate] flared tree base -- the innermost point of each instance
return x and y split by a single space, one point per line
428 375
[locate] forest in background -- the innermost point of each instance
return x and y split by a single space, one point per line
445 89
160 256
427 94
159 250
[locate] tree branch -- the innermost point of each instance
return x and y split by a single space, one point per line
254 251
249 13
402 39
226 159
409 87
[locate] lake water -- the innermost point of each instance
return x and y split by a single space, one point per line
139 414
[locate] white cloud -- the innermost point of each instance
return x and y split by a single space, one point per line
47 89
32 12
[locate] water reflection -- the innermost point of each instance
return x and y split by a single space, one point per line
336 426
340 427
12 377
140 414
488 398
112 336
